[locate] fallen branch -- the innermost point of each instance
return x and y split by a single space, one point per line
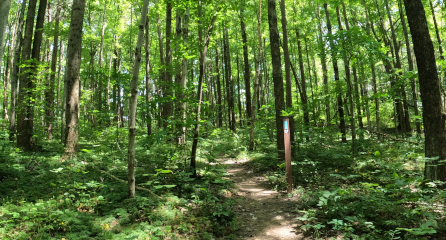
393 138
139 188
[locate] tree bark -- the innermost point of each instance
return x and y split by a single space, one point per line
257 76
323 57
411 66
167 94
134 101
246 73
148 83
15 72
433 118
348 79
277 76
74 51
229 81
5 5
286 55
219 99
50 92
202 48
25 115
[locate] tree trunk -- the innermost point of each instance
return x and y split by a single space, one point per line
433 118
74 51
277 76
239 103
402 115
100 90
25 115
303 88
134 101
148 84
257 76
183 82
15 72
411 66
202 49
372 68
219 99
246 73
336 78
229 81
50 92
286 54
5 5
323 57
167 94
348 79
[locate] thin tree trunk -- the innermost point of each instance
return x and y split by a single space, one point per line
219 99
5 5
286 54
336 78
15 72
303 95
411 65
134 100
167 94
183 82
257 76
348 79
148 68
246 72
323 57
100 90
74 51
50 92
203 48
403 116
238 94
372 68
229 81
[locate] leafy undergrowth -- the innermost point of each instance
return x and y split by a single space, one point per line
378 194
83 198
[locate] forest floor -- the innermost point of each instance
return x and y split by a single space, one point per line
264 214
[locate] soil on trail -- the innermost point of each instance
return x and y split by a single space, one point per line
265 214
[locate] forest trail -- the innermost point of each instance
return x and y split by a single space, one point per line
265 214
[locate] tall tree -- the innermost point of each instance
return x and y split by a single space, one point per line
246 73
336 77
15 72
167 93
433 118
74 53
26 113
49 96
410 63
134 101
323 57
277 75
202 49
5 5
286 55
257 76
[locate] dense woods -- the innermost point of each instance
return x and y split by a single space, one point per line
127 118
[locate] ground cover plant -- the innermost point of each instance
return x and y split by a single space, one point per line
166 119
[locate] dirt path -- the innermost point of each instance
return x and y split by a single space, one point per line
264 214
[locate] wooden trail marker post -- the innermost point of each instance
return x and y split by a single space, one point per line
289 175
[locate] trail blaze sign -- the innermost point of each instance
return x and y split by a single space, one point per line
289 175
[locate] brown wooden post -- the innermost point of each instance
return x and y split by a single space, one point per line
286 130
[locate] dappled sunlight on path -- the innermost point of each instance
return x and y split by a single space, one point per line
264 214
